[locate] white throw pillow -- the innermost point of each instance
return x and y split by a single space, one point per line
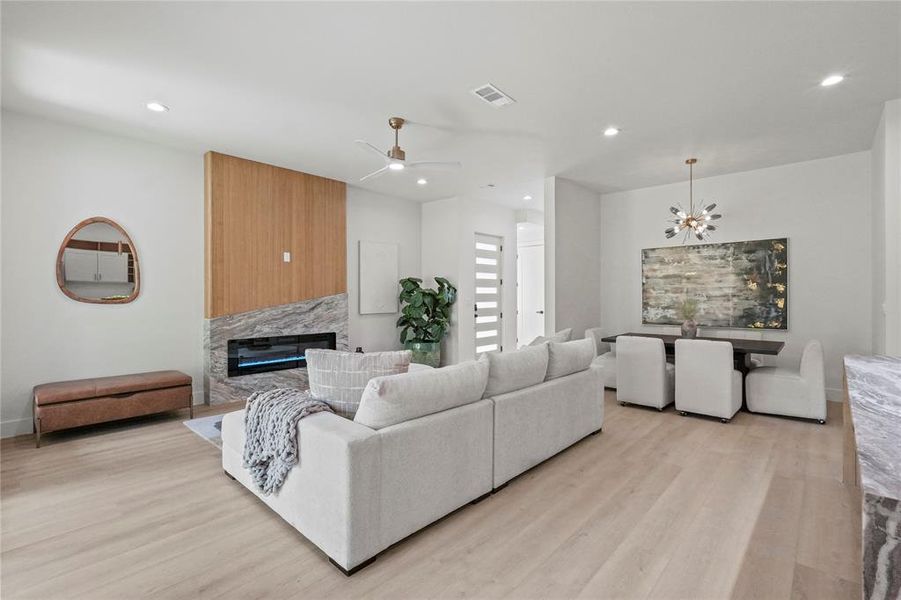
564 335
569 357
394 399
511 371
338 378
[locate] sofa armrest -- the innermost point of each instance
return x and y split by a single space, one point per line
332 495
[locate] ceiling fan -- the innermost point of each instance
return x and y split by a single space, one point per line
396 159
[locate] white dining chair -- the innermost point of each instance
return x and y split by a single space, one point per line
706 382
642 374
791 393
606 357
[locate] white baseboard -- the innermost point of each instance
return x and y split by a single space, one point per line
15 427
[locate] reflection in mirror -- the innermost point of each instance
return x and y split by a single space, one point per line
97 263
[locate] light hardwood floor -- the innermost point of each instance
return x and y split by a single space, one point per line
657 506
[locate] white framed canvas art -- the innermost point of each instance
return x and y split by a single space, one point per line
378 278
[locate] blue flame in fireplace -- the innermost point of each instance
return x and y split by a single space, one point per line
272 361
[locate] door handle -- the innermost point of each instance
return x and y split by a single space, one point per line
540 312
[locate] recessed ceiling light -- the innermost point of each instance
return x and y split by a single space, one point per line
396 166
421 181
157 107
611 131
832 80
526 197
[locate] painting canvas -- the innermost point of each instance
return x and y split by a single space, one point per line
736 284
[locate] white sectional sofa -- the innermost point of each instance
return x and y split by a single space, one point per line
425 443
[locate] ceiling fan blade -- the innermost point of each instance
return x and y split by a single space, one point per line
370 148
435 165
374 173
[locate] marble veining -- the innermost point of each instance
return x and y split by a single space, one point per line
874 389
318 315
874 395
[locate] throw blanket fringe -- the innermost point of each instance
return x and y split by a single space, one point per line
270 434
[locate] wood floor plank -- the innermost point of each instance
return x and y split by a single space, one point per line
813 584
830 528
705 562
656 506
768 568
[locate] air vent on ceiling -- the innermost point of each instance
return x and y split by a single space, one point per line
493 96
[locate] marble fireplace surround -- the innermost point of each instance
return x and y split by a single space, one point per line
318 315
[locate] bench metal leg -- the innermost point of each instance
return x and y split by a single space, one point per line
37 433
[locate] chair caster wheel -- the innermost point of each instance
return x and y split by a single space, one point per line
725 420
660 409
821 421
683 413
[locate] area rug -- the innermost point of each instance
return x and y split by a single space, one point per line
209 428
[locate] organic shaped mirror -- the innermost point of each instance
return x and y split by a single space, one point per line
97 263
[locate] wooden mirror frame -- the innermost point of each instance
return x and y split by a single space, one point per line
134 254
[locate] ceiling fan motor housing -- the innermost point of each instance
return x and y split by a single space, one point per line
396 153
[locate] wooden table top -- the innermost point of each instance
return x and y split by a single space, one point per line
738 345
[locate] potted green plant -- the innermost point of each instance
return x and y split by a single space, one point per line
688 310
425 318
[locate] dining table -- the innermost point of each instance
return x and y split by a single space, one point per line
742 349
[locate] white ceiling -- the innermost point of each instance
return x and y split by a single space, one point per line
735 84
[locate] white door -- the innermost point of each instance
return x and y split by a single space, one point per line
530 293
112 267
488 285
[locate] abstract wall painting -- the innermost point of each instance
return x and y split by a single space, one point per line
736 284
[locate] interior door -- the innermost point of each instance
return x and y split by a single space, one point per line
531 293
488 297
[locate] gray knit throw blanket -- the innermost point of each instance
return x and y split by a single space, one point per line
270 434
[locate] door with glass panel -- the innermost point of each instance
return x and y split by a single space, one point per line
489 286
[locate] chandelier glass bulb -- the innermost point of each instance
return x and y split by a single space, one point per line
692 222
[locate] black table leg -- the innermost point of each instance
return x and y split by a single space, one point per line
743 366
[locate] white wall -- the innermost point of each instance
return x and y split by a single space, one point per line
448 250
53 176
886 231
575 259
373 217
822 206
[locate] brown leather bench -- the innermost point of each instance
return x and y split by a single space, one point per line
67 404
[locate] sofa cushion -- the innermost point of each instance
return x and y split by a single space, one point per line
394 399
511 371
338 378
564 335
569 357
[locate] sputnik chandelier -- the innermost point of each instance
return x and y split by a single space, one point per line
698 224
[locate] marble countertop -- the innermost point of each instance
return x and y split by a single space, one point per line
874 391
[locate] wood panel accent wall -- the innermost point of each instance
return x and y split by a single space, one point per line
254 213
